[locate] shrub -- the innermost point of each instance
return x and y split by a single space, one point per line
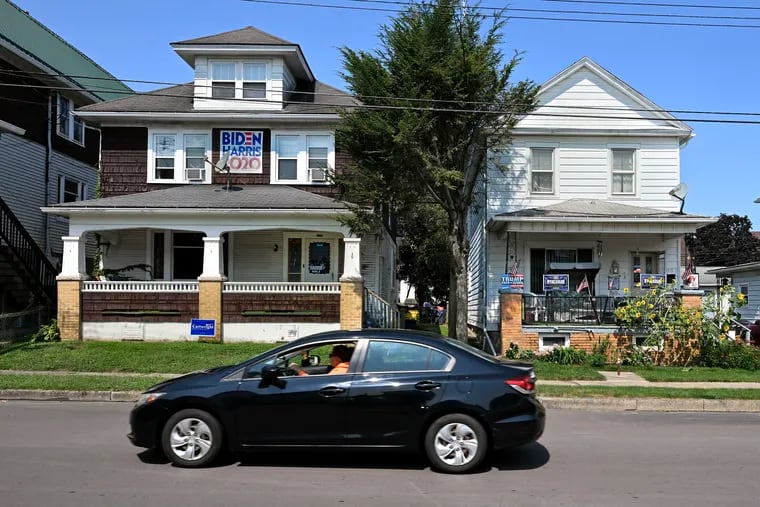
634 355
47 333
564 355
729 354
597 360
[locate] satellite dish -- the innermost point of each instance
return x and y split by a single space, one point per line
679 192
221 165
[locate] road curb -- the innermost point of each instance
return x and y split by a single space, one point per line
54 395
592 404
652 404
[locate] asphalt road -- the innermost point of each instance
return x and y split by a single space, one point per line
76 454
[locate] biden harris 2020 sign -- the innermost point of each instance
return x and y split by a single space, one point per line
246 150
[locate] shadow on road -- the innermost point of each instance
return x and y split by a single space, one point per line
527 457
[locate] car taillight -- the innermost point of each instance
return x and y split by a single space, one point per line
525 384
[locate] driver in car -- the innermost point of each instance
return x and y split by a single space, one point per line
339 361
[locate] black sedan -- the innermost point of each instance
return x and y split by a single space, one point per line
347 389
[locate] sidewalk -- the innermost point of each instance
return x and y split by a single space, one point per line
624 379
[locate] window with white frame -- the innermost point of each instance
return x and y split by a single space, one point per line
623 170
69 125
179 157
548 341
302 158
542 170
239 79
71 190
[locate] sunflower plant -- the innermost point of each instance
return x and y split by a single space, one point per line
675 333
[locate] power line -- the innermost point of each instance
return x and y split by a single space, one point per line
593 13
378 107
406 99
655 4
509 16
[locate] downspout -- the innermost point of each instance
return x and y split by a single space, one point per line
48 163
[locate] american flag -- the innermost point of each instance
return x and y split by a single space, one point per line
583 285
688 273
515 268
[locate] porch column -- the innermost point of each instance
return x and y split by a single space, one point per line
73 272
351 286
210 286
511 321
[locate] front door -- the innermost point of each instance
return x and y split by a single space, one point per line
320 259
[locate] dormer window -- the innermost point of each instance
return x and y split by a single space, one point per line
239 80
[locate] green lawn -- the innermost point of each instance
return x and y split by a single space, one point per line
134 357
78 382
551 371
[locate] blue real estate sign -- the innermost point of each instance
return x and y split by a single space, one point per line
201 327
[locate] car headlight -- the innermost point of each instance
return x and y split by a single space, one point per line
146 398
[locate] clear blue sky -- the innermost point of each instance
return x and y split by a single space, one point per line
678 68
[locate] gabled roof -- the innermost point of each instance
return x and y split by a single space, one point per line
211 197
247 35
638 100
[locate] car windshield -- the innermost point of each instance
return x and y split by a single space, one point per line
471 349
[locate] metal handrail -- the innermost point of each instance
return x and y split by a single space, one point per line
381 313
40 270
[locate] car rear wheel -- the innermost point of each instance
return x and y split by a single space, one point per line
456 443
191 438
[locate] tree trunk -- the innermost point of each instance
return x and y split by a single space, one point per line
458 287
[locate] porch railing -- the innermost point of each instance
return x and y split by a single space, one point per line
139 286
282 287
548 309
378 312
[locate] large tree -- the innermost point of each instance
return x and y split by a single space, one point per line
435 97
727 242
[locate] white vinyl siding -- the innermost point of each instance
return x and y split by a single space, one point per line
302 158
254 258
178 157
583 171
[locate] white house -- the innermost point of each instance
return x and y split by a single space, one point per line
582 193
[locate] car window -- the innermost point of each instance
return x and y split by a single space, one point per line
399 356
313 359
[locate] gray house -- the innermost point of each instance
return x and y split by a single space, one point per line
47 155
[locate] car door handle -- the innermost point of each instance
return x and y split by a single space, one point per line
427 385
331 391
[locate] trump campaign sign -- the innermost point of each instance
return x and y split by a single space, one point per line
246 150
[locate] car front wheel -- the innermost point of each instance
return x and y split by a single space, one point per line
456 443
191 438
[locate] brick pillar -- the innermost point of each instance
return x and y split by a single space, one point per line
70 309
691 298
210 306
511 320
351 304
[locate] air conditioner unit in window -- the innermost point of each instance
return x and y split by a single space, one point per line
318 175
195 174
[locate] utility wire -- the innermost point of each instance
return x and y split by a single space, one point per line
656 4
378 107
405 99
508 16
507 10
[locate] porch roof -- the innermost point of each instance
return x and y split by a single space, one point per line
207 197
592 215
